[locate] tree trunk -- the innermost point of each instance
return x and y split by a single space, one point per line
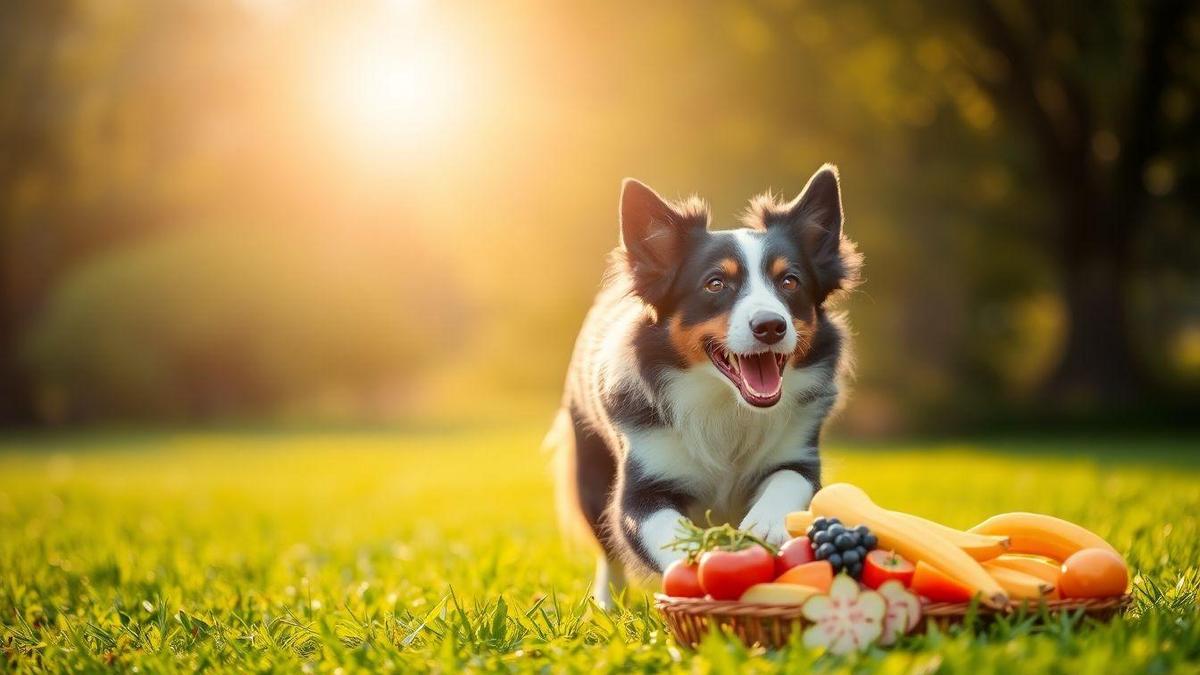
16 393
30 34
1098 366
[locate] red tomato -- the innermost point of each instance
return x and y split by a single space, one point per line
682 580
934 584
725 575
883 565
795 552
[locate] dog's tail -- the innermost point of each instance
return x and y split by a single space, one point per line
560 443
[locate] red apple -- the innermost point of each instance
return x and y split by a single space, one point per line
794 552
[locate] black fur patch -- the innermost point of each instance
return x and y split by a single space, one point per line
688 297
831 261
628 409
595 473
810 470
639 497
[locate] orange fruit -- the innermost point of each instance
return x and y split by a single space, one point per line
1093 573
817 574
930 582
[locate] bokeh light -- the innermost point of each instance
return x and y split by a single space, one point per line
385 89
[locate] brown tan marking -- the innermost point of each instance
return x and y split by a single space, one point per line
778 266
806 328
729 266
689 340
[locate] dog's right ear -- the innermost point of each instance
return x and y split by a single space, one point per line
654 233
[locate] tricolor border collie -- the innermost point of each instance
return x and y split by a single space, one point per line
704 372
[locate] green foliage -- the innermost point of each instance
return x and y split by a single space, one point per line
438 552
1019 175
223 321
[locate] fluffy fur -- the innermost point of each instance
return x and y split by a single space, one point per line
704 372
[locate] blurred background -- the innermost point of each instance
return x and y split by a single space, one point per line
276 211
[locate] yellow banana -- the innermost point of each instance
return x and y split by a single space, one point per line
797 522
913 541
1041 534
979 546
1042 568
1020 585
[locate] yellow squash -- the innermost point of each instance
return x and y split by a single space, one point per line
979 546
911 540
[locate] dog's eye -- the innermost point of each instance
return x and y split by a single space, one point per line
790 282
714 285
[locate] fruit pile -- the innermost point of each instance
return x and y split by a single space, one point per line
727 564
862 573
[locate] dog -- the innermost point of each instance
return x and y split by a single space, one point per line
703 373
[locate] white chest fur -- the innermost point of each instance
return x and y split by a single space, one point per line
717 447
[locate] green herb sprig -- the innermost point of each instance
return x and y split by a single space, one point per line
694 540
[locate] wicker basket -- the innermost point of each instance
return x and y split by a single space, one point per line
772 625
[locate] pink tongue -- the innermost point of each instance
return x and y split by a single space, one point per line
760 373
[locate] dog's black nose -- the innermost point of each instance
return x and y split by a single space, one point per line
768 327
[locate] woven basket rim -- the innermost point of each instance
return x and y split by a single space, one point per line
706 606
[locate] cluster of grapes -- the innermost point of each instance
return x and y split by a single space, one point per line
844 548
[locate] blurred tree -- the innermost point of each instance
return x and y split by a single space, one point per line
203 323
1022 177
29 32
1050 68
1079 120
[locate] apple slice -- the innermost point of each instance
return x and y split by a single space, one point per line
797 522
903 611
846 619
778 594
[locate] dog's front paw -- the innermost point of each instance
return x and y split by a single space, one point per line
768 527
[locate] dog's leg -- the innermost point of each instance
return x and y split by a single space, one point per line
784 490
609 581
653 534
651 498
648 515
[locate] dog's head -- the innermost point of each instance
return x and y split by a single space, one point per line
745 301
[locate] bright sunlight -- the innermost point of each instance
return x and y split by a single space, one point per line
391 87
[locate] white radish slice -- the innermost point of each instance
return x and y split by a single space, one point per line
895 623
895 593
845 620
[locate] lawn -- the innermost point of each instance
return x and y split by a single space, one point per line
438 551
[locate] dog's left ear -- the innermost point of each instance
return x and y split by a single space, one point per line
816 218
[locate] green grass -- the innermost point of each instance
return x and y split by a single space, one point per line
439 552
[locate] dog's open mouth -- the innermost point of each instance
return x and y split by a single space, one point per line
759 377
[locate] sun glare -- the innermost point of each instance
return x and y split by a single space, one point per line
388 91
